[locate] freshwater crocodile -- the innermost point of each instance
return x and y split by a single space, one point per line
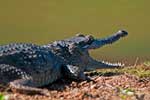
28 66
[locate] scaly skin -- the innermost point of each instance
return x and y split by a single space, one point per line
27 66
75 51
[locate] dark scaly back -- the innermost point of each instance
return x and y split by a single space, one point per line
79 40
35 61
27 56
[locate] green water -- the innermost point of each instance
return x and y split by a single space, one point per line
43 21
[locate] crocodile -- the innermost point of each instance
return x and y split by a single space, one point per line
75 51
29 66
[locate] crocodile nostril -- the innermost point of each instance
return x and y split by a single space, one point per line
122 33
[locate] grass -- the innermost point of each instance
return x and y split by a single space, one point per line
3 97
124 93
142 71
147 63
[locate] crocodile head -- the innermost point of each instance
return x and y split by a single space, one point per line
75 52
80 59
89 42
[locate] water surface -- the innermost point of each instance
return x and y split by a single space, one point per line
43 21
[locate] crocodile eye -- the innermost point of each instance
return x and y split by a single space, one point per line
80 35
90 38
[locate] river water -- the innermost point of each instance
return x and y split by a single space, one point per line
43 21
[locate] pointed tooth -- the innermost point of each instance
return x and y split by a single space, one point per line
123 64
119 63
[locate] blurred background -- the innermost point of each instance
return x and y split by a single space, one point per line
43 21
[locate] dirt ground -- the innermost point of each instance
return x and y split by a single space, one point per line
128 83
101 87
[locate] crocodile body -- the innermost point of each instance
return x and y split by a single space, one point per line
28 66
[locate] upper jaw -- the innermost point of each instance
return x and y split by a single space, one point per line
97 43
121 33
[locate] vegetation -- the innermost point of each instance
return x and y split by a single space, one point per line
142 71
3 97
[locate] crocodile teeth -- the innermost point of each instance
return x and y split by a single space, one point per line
113 64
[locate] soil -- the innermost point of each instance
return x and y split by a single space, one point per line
98 88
